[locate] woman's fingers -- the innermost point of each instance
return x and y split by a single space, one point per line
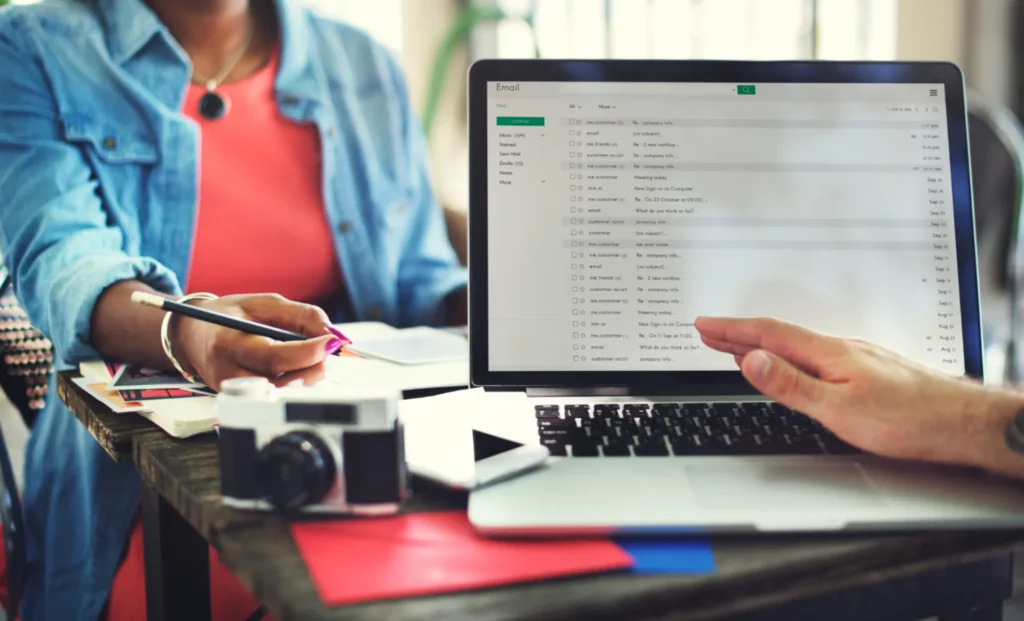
280 312
306 376
271 359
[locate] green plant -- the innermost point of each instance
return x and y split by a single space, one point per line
457 35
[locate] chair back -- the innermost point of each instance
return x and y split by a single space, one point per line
26 367
997 173
26 356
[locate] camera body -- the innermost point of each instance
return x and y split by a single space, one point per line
311 449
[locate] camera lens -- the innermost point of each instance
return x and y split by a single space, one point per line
295 470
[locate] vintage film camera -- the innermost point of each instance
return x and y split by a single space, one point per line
317 449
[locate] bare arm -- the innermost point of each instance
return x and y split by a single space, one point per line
125 331
458 307
875 399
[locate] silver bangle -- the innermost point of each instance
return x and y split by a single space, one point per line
165 334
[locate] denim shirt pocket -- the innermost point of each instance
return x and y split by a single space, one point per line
113 145
120 159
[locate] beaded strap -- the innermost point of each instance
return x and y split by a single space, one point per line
165 335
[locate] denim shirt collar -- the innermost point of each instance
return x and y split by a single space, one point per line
131 24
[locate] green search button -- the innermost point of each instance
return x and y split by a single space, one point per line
535 121
746 89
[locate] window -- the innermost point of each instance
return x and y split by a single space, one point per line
723 29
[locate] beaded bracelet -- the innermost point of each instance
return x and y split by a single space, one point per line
165 334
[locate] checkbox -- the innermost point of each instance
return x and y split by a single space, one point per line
572 199
575 277
574 231
575 312
575 358
575 300
575 324
575 335
572 188
576 347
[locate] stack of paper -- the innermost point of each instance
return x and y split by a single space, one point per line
177 406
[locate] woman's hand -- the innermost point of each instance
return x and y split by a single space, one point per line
216 354
871 397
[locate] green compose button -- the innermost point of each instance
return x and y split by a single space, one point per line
521 120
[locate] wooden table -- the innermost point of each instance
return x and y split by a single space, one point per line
960 576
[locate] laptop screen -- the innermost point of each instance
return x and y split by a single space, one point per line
618 212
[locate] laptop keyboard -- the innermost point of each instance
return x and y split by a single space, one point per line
683 429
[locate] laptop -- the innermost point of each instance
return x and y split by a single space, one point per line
612 202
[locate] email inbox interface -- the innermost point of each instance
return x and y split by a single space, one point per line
618 213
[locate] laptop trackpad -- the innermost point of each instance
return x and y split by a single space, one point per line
742 486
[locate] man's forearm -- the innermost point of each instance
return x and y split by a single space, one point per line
128 332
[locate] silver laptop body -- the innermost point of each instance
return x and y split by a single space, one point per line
612 202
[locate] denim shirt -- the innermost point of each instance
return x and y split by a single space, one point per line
98 184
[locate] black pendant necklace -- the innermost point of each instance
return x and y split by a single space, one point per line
214 105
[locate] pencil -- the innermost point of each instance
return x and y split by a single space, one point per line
220 319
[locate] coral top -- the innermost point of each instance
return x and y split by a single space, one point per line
261 225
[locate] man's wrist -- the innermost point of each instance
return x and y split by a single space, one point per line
997 443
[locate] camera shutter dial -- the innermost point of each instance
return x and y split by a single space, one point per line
296 469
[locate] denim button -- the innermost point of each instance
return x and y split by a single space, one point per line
110 143
290 100
345 227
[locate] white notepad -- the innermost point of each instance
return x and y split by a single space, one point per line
413 346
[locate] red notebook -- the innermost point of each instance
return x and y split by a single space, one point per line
426 553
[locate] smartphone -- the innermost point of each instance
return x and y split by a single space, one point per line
497 459
450 463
